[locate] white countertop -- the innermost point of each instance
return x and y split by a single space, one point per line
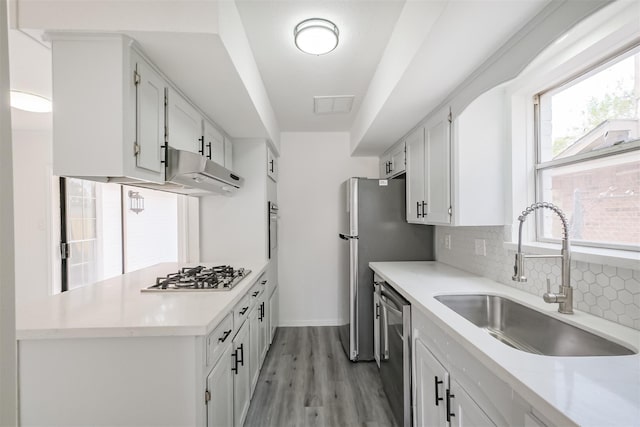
116 308
590 391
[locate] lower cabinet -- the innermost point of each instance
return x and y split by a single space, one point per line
463 411
241 377
263 335
255 344
273 314
440 400
220 391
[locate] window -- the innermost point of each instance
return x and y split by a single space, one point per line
111 229
588 155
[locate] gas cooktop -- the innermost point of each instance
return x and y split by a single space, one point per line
218 278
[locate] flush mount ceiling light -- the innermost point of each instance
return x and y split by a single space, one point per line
30 102
316 36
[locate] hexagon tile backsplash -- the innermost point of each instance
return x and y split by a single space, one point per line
609 292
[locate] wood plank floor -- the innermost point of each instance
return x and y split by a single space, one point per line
307 380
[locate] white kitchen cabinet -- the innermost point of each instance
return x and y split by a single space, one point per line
479 146
109 109
184 124
415 180
439 399
273 314
220 391
428 177
431 380
150 118
454 173
254 345
272 165
241 378
263 338
214 146
464 412
393 161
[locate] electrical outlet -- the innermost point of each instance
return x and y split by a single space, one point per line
447 241
481 247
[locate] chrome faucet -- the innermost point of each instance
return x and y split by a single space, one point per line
565 297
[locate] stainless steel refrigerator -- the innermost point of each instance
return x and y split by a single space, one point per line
374 228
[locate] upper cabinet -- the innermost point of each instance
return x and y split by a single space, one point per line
455 173
393 162
214 147
428 176
109 119
272 165
184 124
116 113
149 116
479 141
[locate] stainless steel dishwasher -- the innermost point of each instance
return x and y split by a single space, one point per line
395 352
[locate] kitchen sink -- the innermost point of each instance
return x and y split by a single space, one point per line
529 330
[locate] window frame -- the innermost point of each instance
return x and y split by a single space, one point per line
540 166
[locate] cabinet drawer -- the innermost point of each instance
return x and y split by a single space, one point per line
218 338
241 311
255 293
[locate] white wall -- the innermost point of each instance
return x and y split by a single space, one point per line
8 365
312 167
233 230
32 205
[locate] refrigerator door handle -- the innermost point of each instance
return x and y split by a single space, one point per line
347 236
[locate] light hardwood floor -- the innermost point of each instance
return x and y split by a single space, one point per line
307 380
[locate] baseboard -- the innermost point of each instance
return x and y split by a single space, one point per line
309 322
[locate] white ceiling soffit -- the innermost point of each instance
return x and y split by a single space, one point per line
199 45
292 78
463 36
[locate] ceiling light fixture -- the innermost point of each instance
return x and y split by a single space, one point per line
30 102
316 36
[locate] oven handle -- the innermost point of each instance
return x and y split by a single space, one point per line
390 308
396 308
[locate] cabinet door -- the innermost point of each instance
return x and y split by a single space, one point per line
415 176
385 166
264 331
150 124
228 154
464 411
254 346
184 124
431 380
241 379
220 388
397 159
272 165
438 178
376 327
213 143
273 314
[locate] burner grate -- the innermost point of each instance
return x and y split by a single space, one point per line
217 278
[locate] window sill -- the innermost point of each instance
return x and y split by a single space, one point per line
612 257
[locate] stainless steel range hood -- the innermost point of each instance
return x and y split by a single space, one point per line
191 174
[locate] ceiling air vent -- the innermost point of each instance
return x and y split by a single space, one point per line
332 104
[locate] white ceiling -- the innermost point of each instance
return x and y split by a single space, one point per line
292 78
446 47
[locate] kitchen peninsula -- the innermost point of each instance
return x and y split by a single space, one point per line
111 354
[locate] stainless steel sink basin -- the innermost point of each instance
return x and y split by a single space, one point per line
529 330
